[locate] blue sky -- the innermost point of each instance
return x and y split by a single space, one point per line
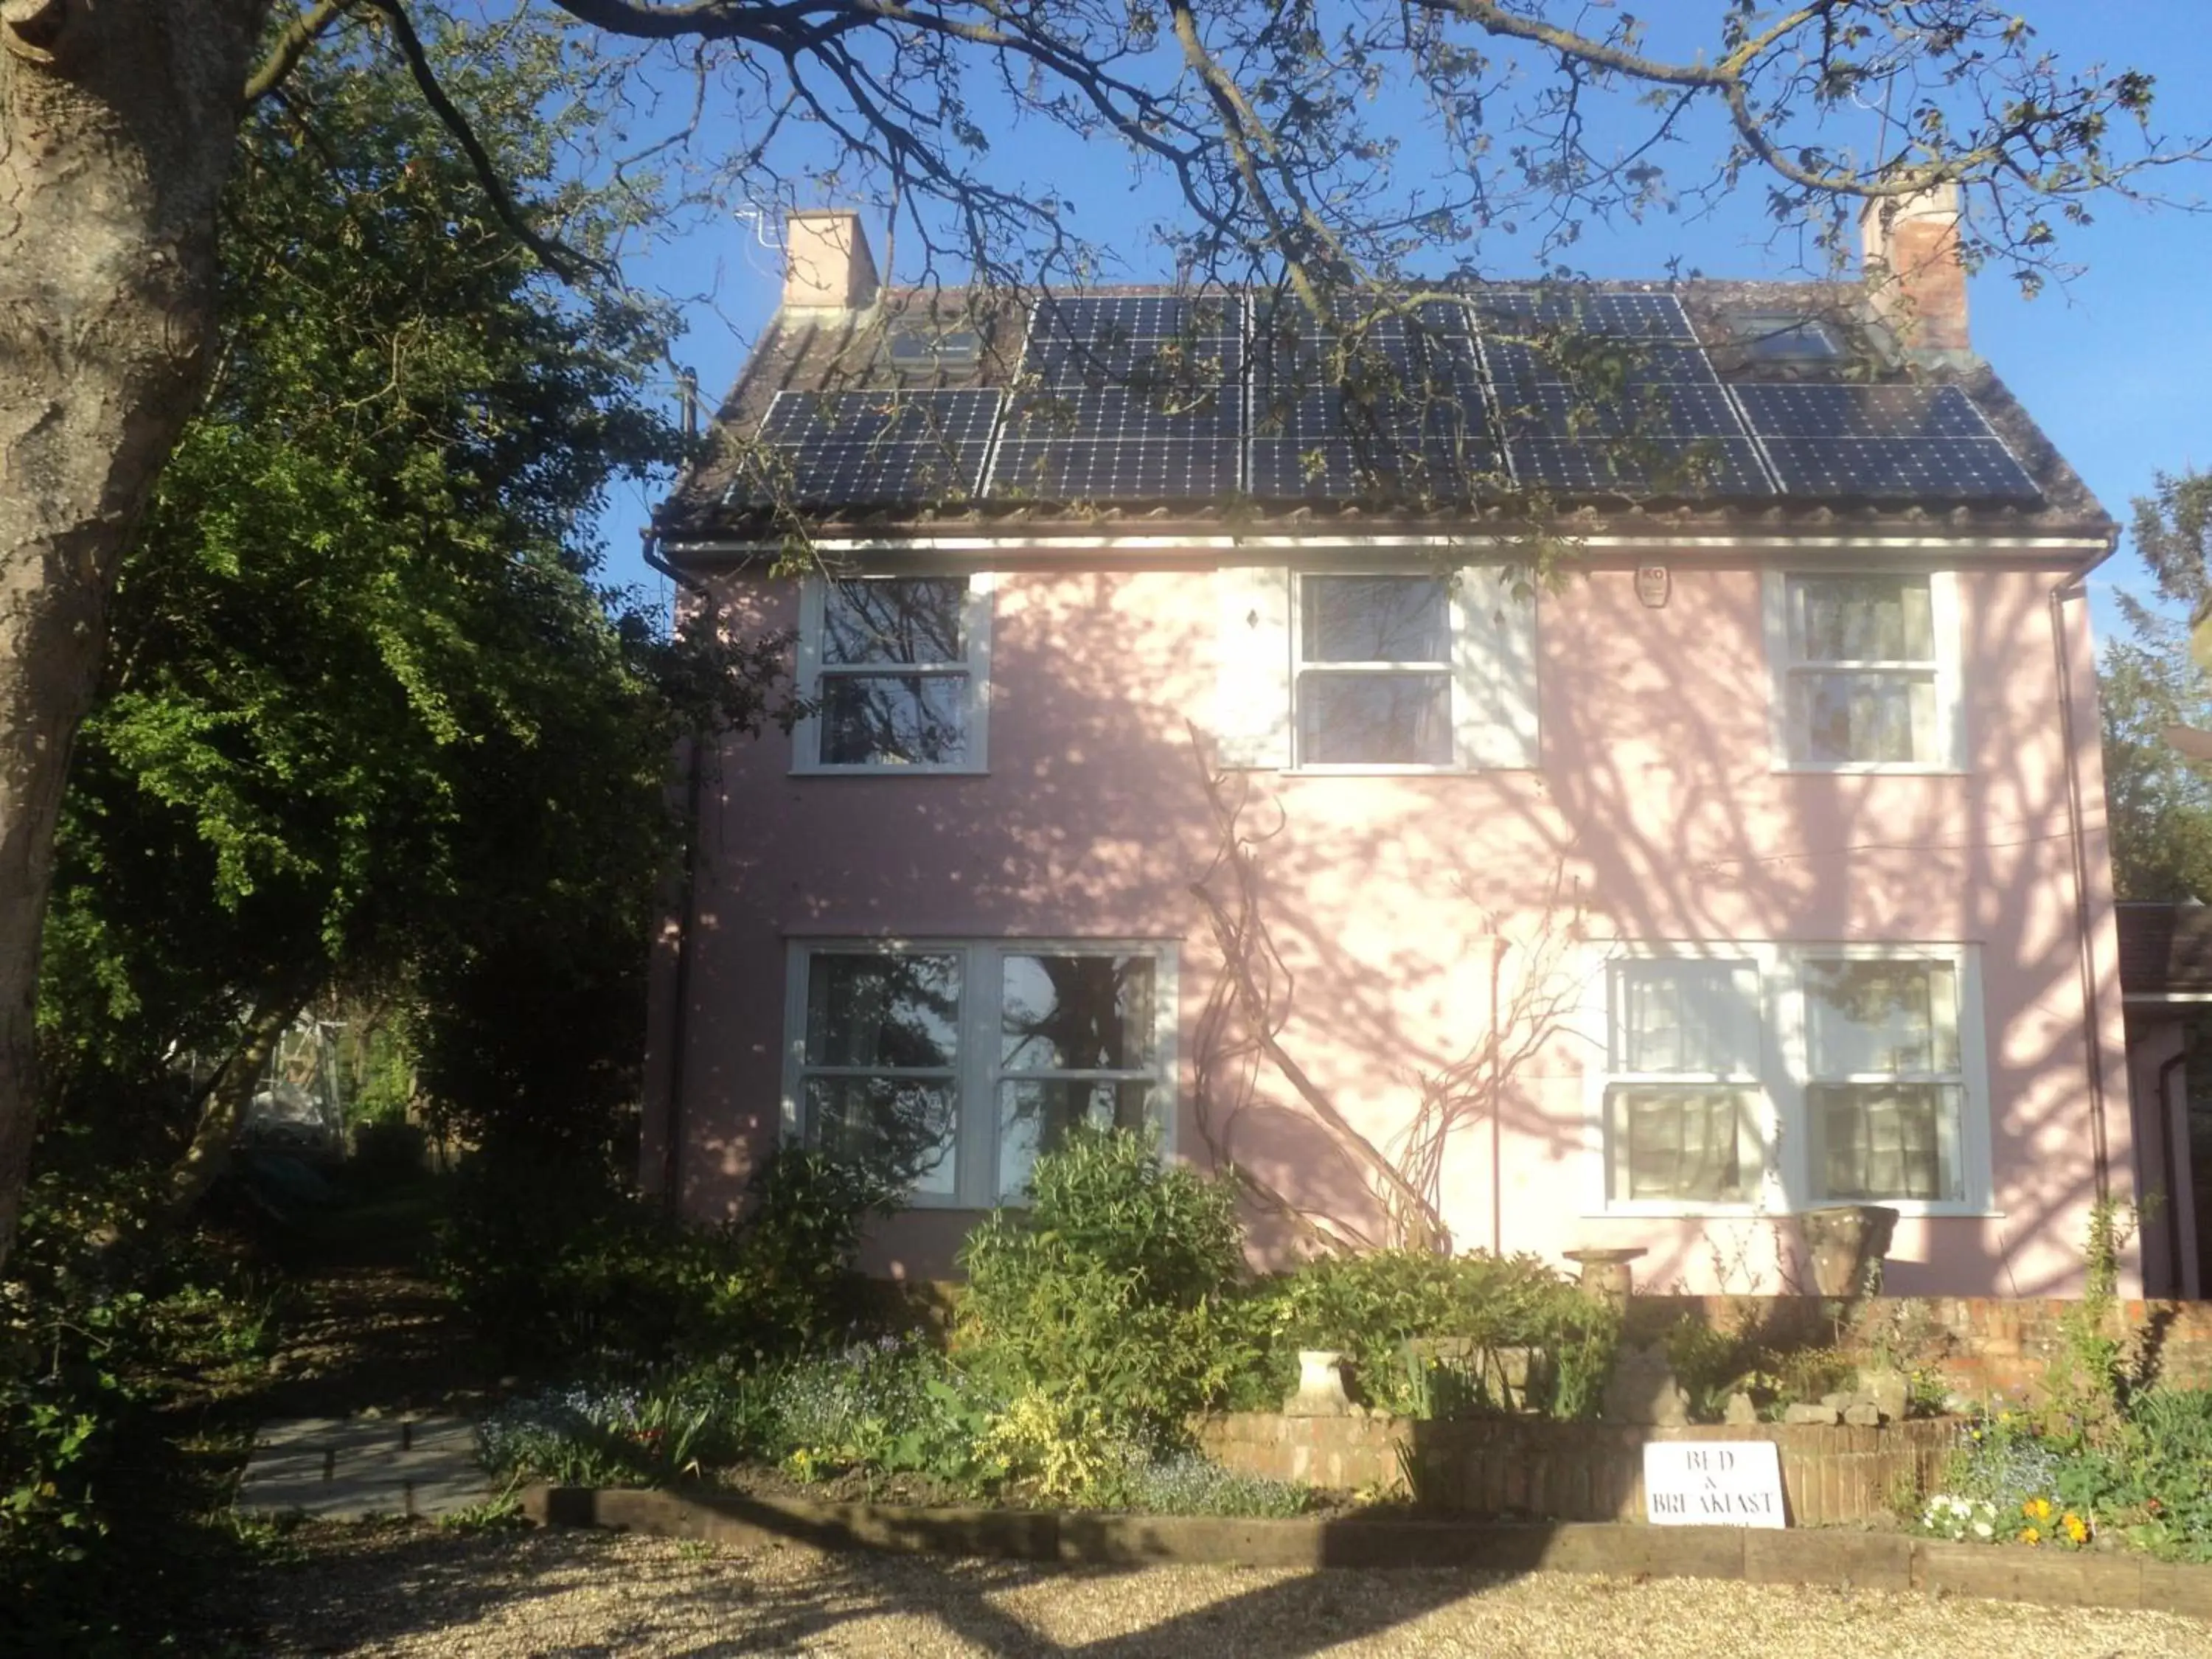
2117 366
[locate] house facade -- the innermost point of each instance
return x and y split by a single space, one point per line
1724 843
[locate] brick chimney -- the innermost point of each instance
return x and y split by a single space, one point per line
1913 278
826 262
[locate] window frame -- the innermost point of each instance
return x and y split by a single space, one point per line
974 668
1790 744
1756 334
1752 1083
1447 668
1781 1112
977 1066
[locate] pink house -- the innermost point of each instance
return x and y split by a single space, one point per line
1196 743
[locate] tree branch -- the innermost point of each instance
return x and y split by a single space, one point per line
301 32
555 255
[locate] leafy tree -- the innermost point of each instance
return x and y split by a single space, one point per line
366 724
2158 803
1281 129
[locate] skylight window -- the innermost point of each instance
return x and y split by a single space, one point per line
1771 338
922 345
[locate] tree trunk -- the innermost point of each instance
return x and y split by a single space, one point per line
117 119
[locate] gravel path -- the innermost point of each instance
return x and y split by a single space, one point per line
415 1592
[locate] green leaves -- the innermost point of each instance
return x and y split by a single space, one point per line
368 722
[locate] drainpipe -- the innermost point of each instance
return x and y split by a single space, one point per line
671 1116
2176 1172
2085 955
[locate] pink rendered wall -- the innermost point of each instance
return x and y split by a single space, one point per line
1655 816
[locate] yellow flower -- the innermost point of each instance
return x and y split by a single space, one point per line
2030 1535
2036 1509
2076 1528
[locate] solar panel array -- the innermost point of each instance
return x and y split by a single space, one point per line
871 448
1181 398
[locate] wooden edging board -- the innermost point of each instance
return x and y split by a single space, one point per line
1865 1560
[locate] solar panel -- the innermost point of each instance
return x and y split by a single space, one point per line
1393 406
1619 316
1145 469
1801 410
1882 442
1592 360
1654 411
957 415
1115 413
1156 340
853 448
1697 469
1900 469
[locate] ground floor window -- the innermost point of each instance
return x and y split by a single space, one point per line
1766 1076
959 1062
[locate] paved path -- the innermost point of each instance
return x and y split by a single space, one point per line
348 1468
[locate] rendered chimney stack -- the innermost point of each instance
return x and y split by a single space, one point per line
1913 276
826 261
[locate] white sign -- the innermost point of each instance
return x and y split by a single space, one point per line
1712 1483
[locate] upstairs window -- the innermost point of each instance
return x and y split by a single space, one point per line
1374 673
1367 671
1868 671
897 669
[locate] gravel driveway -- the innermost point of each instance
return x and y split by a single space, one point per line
417 1592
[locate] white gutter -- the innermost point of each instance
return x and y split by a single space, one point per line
1220 543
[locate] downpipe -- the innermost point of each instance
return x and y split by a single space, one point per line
2073 585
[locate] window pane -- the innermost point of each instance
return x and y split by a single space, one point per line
1383 719
1881 1141
905 619
1682 1144
894 719
1882 1017
883 1010
1076 1014
1374 619
1035 1115
1862 618
1867 717
904 1126
1685 1017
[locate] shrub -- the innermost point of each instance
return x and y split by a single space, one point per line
1371 1306
1111 1292
553 1261
1183 1483
587 1436
890 1405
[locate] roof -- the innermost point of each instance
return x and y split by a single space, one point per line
1767 480
2166 950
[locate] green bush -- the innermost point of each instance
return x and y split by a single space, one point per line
1371 1306
555 1262
1112 1292
102 1329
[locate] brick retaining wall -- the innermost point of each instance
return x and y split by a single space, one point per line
1533 1467
1983 1345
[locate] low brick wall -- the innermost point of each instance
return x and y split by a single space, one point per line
1541 1470
1983 1345
1891 1561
